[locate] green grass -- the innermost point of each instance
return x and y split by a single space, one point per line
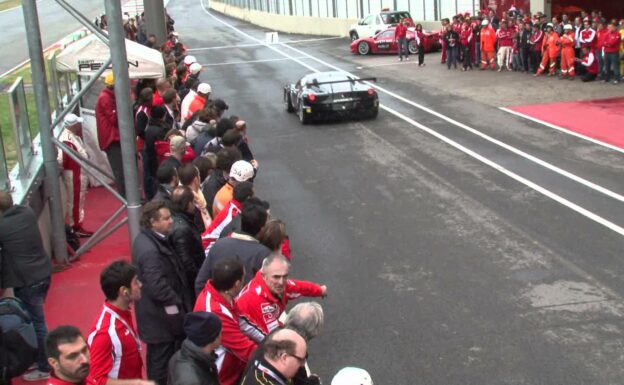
6 4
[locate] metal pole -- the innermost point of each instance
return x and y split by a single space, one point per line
155 20
89 243
123 103
40 86
104 235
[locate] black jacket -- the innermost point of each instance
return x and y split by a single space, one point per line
163 193
243 247
24 260
164 284
300 378
211 187
263 373
187 243
155 131
191 366
451 38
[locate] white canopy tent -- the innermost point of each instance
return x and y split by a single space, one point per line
87 55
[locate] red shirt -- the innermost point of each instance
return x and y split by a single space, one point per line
54 380
114 346
261 310
220 221
158 100
236 347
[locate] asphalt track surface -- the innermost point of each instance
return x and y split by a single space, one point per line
460 244
55 24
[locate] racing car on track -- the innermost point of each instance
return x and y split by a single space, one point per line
330 94
384 42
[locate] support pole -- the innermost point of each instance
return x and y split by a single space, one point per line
123 103
40 86
155 20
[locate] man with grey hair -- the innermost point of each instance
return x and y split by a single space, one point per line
306 319
285 352
177 145
264 299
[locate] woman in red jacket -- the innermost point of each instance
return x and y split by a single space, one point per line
465 41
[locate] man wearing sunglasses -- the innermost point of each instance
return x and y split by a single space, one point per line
285 352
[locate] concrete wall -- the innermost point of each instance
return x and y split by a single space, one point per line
320 26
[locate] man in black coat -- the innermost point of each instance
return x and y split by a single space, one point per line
195 362
226 157
185 236
155 131
166 295
167 177
243 245
26 267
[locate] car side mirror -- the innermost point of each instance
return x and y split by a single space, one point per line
361 22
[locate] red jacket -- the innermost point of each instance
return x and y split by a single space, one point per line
588 38
488 39
505 37
225 216
236 348
612 41
106 119
465 36
536 40
601 36
260 310
590 63
400 31
157 100
114 346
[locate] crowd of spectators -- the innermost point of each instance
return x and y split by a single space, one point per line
209 278
587 45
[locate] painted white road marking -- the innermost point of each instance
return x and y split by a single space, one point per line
559 128
561 200
250 61
259 44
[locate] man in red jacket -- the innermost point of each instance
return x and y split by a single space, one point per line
264 299
612 41
505 44
217 297
108 130
589 65
488 45
400 33
114 343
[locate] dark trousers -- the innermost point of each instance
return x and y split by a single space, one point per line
149 179
402 42
612 66
33 297
524 57
421 54
535 58
466 56
452 53
157 358
113 153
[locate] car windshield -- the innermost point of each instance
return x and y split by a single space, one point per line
395 17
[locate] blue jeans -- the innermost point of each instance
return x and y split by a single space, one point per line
612 66
402 43
452 56
33 297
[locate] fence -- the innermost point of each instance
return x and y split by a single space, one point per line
421 10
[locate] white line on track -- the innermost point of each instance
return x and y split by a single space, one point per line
561 200
250 61
259 44
559 128
398 63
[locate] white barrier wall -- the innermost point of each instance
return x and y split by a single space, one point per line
307 25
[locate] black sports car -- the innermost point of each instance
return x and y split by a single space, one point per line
329 94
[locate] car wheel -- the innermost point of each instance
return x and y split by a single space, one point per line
363 48
374 113
354 36
412 47
287 102
303 118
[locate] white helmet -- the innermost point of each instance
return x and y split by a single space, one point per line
352 376
241 171
485 22
195 68
189 59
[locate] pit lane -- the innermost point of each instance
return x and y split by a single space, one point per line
439 267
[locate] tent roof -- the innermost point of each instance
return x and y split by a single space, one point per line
88 54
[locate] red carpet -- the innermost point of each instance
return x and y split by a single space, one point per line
75 297
601 119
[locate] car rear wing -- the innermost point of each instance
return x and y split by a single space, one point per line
349 80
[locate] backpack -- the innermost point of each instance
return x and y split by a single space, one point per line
18 341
